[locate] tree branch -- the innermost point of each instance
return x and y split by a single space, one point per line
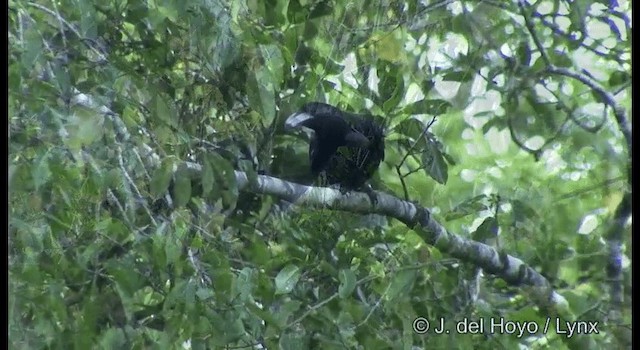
534 36
608 98
615 237
507 267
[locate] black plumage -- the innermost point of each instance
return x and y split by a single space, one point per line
345 148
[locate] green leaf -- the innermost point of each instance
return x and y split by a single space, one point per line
521 211
347 283
401 284
226 46
426 86
332 67
287 279
274 61
182 186
310 32
434 163
126 279
258 251
162 178
176 295
261 93
172 10
412 128
431 107
291 340
560 59
87 20
619 78
268 317
33 47
244 284
321 9
40 171
461 76
469 206
487 230
524 53
224 282
84 126
389 48
15 79
577 13
113 338
498 122
172 250
597 96
164 109
204 294
449 158
391 88
295 12
225 179
208 177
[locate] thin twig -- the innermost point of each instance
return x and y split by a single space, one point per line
534 36
57 16
514 138
571 116
312 309
90 43
607 97
415 142
587 189
408 153
404 185
612 54
622 87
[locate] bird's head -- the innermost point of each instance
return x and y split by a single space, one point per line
327 122
297 119
311 114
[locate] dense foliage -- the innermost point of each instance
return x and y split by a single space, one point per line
508 120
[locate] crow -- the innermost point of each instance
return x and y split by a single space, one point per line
344 149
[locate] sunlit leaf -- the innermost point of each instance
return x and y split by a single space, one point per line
162 178
431 107
287 279
182 186
347 282
487 230
401 283
434 163
470 206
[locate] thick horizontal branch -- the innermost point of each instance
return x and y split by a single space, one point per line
418 218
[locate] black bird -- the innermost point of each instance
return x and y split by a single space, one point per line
345 148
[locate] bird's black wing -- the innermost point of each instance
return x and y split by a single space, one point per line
345 148
352 167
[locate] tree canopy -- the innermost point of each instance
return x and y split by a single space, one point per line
156 199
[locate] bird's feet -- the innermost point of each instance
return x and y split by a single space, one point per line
373 197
